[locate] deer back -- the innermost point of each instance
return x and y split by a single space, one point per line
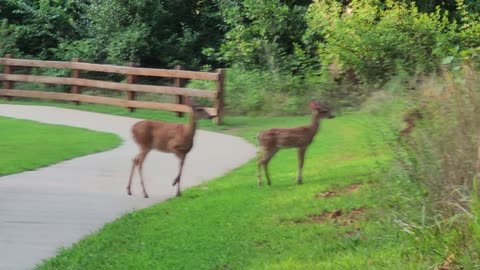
165 137
286 137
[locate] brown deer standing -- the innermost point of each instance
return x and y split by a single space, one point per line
301 137
165 137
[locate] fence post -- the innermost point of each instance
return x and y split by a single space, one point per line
219 102
7 70
131 94
179 82
75 89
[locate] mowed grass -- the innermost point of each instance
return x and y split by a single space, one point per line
138 113
231 223
28 145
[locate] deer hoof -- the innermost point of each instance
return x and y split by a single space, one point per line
175 182
299 182
129 192
145 196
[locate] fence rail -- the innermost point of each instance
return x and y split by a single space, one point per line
179 76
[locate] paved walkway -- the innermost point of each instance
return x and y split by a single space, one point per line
53 207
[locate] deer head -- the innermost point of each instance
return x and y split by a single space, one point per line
198 110
321 110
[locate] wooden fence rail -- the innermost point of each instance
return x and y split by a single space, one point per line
179 76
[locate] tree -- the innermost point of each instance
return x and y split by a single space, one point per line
263 34
151 32
36 27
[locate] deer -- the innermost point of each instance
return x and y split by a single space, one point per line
168 138
274 139
410 119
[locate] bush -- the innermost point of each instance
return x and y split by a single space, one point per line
375 42
445 144
265 93
434 137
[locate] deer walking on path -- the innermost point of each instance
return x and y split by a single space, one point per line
272 140
165 137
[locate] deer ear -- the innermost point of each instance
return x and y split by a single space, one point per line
313 105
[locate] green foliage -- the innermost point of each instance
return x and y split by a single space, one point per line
375 41
475 222
157 32
37 27
263 34
111 35
436 162
22 151
445 143
8 37
259 93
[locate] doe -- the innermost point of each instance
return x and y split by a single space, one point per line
167 138
272 140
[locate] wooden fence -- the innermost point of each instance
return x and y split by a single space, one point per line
179 76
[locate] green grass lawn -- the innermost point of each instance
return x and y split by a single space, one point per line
28 145
230 223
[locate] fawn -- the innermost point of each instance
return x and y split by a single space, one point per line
167 138
272 140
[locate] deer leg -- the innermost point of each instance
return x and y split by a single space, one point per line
267 156
134 164
259 168
301 157
141 159
176 181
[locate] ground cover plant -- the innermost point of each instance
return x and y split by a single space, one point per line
22 151
352 157
333 221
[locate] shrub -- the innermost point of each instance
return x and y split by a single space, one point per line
374 41
429 188
445 144
265 93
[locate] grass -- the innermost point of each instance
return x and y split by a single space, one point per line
139 113
28 145
242 126
230 223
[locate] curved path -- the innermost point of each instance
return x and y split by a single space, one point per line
55 206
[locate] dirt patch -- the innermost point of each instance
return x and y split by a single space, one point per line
338 191
338 216
447 264
353 187
261 243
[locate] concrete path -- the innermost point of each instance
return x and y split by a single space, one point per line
53 207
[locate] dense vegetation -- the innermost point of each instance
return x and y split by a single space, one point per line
283 51
280 53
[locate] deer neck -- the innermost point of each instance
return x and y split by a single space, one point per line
315 123
192 124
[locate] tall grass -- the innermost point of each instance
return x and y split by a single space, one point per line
269 93
438 158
